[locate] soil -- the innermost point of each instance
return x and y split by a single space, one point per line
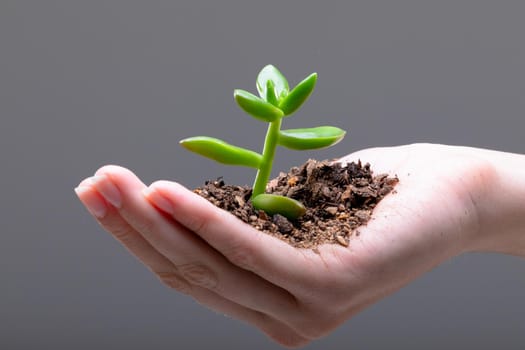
339 199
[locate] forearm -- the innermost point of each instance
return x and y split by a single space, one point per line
502 212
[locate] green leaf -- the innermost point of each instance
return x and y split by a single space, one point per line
270 93
298 95
275 204
270 73
221 151
310 138
256 106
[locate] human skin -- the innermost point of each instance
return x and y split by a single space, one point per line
449 200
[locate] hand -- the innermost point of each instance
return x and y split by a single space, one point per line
295 295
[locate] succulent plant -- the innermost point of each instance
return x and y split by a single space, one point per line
275 102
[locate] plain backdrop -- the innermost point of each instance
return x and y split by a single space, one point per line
88 83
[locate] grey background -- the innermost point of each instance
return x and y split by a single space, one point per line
87 83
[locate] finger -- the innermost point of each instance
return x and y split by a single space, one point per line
109 218
194 259
165 270
276 330
274 260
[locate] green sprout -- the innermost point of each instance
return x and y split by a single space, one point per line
276 102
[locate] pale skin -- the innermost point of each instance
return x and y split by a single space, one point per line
449 201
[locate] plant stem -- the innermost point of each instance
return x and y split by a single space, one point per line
270 144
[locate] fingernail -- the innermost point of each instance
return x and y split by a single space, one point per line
94 204
158 200
108 190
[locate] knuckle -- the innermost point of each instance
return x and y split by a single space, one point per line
199 275
242 256
203 222
173 281
145 224
197 223
148 223
122 234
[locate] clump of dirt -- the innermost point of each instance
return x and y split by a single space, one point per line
339 199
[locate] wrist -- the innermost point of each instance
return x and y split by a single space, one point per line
501 212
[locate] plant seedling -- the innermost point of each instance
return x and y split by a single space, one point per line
276 102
